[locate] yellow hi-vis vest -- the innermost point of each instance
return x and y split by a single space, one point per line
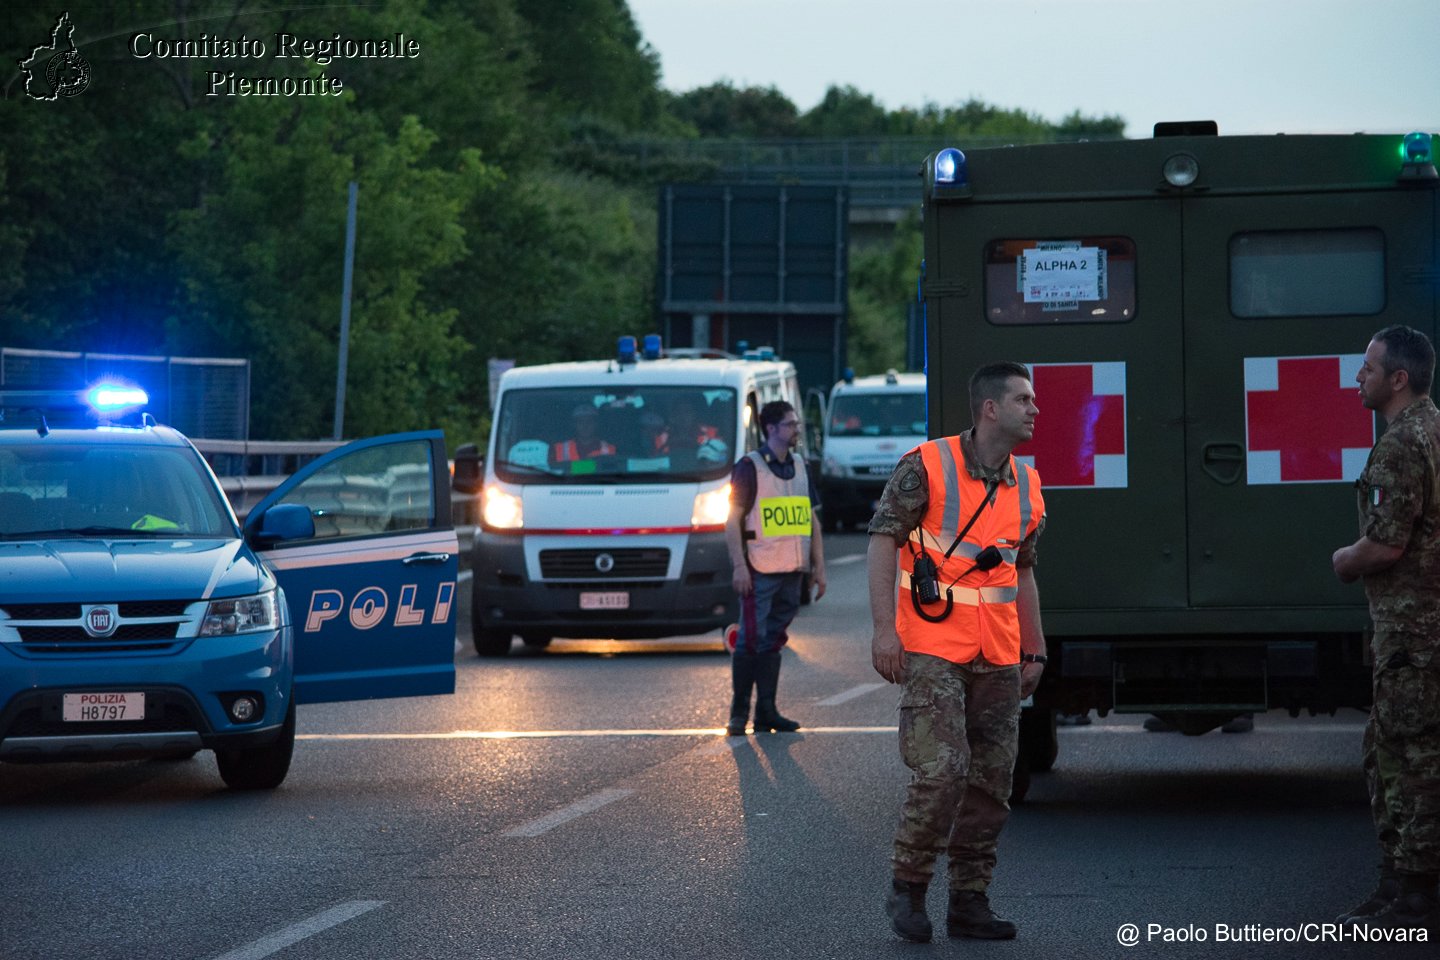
984 618
777 528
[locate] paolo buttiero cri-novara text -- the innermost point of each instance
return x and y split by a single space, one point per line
144 46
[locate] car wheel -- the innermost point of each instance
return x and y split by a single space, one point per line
260 768
491 642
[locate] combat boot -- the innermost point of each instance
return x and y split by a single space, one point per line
906 908
742 679
767 681
1384 894
1415 905
970 916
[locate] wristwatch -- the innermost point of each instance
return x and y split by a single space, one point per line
1034 658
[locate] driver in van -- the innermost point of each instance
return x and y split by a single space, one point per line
586 442
686 436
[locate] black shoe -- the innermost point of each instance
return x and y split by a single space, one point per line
769 720
906 908
1416 905
970 916
1241 724
1380 898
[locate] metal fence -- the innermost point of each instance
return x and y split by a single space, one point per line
199 396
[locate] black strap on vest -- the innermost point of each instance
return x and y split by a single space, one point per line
990 487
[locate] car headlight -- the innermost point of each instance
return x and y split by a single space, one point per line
253 614
832 468
712 508
502 510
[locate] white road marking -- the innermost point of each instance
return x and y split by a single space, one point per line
565 814
561 734
296 932
840 561
851 694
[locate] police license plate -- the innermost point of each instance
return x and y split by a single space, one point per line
619 600
90 707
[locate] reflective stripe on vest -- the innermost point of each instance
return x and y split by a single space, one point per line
780 512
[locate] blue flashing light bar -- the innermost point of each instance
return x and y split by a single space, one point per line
650 346
115 397
625 349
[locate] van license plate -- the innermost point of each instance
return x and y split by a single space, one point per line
619 600
92 707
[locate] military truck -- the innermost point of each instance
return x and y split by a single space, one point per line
1194 308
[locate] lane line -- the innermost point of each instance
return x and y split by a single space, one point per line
296 932
562 734
841 561
564 815
851 694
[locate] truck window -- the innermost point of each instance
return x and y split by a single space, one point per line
1307 273
1074 280
615 433
878 415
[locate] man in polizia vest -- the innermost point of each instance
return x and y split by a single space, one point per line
959 626
773 535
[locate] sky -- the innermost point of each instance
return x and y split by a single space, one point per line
1254 66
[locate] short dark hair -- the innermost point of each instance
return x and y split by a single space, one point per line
988 383
1410 350
772 413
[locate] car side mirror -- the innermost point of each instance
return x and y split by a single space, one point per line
469 472
285 521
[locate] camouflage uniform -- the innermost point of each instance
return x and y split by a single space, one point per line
1400 507
959 723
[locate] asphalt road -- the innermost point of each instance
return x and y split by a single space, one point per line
580 802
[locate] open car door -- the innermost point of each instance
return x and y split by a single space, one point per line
371 591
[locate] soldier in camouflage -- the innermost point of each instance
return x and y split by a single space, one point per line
1398 557
959 721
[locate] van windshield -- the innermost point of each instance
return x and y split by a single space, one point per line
639 433
878 415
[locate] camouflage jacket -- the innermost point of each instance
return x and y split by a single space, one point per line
1400 507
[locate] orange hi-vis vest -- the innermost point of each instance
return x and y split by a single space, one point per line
567 450
984 619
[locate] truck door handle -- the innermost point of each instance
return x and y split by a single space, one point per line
1224 462
426 558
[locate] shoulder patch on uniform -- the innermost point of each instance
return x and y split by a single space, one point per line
909 479
1377 496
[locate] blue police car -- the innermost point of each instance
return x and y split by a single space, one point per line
137 619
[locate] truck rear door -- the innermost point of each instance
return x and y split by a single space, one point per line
1281 295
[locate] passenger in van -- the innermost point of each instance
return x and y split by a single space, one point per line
586 442
687 439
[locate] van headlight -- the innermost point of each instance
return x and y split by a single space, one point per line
253 614
832 468
712 508
502 510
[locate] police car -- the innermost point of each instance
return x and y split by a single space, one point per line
137 619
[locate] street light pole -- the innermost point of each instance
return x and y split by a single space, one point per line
345 313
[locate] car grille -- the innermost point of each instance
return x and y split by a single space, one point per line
628 563
57 629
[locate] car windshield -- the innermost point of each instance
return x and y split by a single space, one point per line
109 490
878 415
638 433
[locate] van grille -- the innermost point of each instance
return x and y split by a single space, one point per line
629 562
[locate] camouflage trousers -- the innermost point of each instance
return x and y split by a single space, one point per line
959 729
1402 749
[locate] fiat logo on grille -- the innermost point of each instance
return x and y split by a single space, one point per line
100 622
604 562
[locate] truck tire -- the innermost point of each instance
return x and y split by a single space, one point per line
1039 741
260 768
490 642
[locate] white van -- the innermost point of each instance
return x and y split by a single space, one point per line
605 491
869 423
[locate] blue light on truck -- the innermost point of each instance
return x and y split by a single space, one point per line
1417 148
950 166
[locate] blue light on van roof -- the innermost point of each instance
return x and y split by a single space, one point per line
625 349
650 346
114 397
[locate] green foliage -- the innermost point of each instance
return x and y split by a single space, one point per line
882 282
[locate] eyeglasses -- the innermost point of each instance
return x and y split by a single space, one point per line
788 423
